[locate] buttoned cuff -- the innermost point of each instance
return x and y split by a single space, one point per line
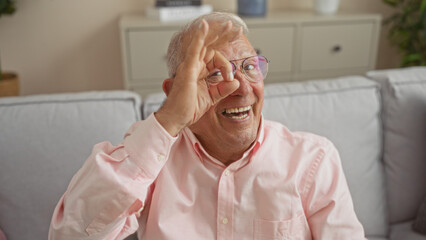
149 146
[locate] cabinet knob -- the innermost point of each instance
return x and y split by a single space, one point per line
337 49
258 51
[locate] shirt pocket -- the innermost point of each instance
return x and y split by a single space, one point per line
292 229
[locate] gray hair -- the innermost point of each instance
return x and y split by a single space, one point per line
175 52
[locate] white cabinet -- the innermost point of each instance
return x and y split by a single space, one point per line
277 44
336 46
300 46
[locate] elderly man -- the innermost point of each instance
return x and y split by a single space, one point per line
207 165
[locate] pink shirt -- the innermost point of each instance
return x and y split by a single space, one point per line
288 185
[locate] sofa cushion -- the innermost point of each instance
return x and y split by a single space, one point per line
44 140
152 103
347 111
419 224
404 118
404 231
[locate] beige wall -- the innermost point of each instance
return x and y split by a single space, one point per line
66 46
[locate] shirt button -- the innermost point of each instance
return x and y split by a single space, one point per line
225 220
160 157
227 172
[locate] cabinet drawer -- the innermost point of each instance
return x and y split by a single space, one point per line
275 43
336 46
147 52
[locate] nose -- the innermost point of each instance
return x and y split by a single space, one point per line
245 85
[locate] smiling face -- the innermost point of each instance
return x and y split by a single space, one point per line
228 128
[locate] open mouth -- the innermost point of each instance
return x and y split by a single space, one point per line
237 113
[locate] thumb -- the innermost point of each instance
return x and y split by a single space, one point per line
223 89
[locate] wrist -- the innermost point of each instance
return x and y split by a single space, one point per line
169 122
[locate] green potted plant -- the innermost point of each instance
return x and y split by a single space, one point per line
9 83
408 30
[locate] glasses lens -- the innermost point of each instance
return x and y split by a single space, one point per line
256 68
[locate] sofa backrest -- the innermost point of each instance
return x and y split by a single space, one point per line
44 140
347 111
404 118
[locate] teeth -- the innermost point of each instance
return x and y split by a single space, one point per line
239 117
238 110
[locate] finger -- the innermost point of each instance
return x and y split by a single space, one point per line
226 26
218 35
197 42
211 40
220 62
216 31
203 53
238 32
222 90
227 36
230 34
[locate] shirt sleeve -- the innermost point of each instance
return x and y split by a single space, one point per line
328 202
105 197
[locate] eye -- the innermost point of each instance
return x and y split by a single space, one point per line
249 67
215 74
215 77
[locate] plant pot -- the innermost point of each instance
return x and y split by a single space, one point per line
326 7
9 85
252 8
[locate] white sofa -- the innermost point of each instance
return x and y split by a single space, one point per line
377 124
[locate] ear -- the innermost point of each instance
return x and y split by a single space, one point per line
167 85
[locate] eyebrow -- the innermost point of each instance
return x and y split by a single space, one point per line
245 52
242 58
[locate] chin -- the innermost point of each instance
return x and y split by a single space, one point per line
241 138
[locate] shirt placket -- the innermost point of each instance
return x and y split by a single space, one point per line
225 208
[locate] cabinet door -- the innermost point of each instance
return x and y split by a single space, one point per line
275 43
336 46
147 51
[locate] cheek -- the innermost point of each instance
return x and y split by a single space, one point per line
206 123
212 115
258 92
208 118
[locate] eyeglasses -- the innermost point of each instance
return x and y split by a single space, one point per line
255 68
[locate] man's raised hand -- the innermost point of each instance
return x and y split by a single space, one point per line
188 94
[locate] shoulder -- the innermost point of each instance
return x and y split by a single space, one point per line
278 132
300 150
305 155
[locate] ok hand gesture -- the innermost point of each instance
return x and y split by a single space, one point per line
188 94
